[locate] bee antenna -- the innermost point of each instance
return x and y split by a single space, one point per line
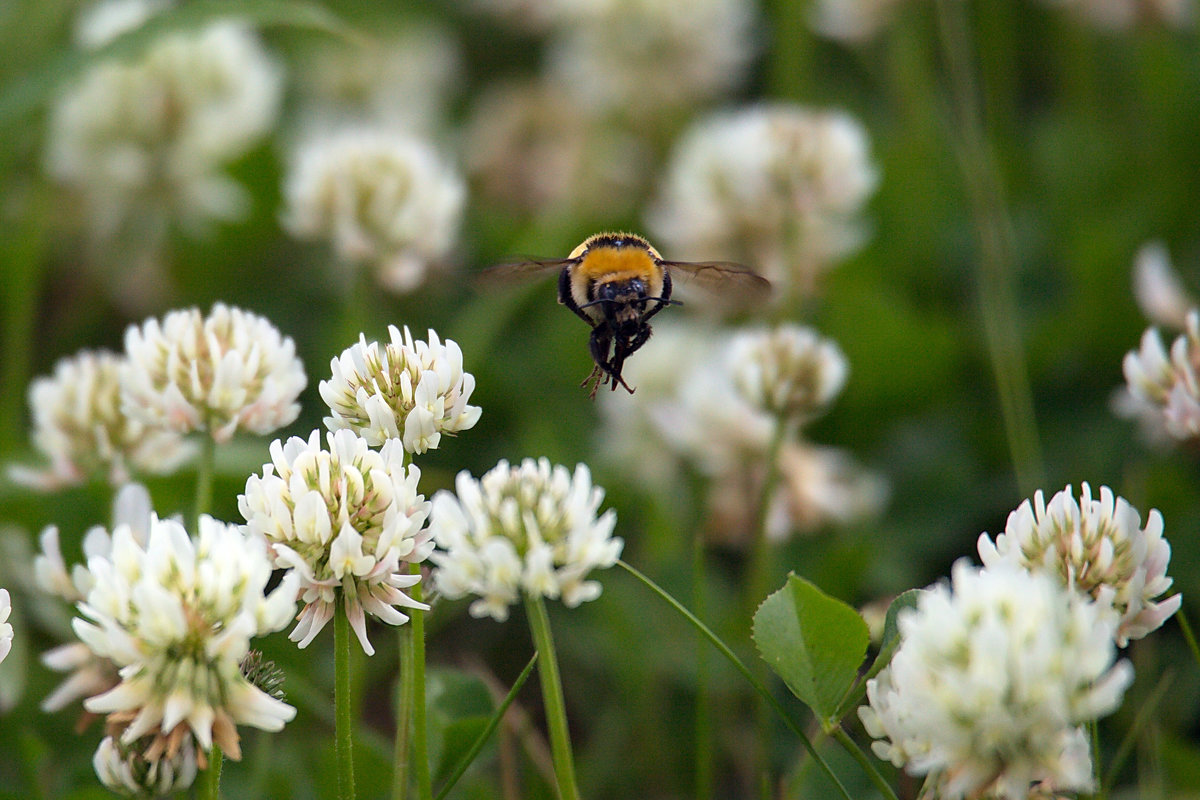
597 302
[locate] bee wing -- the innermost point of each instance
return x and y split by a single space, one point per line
721 277
520 270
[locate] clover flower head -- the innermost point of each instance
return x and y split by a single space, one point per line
6 628
79 426
851 20
345 519
640 58
151 137
405 389
176 615
790 371
128 771
230 370
102 22
402 79
992 682
1095 546
1167 382
530 530
380 197
777 186
88 674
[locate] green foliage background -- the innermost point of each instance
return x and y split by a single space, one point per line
1095 138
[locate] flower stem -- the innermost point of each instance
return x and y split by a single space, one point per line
204 476
343 718
552 698
420 754
488 730
1188 635
210 779
993 231
704 729
757 585
856 752
404 713
746 673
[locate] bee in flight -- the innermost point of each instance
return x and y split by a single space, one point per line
617 282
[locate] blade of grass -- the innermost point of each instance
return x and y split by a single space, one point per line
494 722
746 673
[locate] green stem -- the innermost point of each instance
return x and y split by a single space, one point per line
850 746
204 476
488 730
420 733
1146 711
404 714
344 718
25 249
993 231
552 697
209 781
746 673
1188 635
704 729
758 586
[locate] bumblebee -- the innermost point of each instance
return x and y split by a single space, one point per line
616 283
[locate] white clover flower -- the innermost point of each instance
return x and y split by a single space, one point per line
78 425
534 146
1098 547
1123 15
406 389
1168 381
87 673
348 521
789 371
229 370
819 486
127 771
398 79
780 187
991 683
643 58
1159 292
530 531
102 22
6 628
531 16
176 616
851 20
381 198
150 137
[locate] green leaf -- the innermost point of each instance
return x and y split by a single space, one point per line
37 86
815 642
891 629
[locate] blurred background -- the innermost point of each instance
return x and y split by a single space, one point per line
956 193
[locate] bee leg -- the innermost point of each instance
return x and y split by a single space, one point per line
600 343
614 367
